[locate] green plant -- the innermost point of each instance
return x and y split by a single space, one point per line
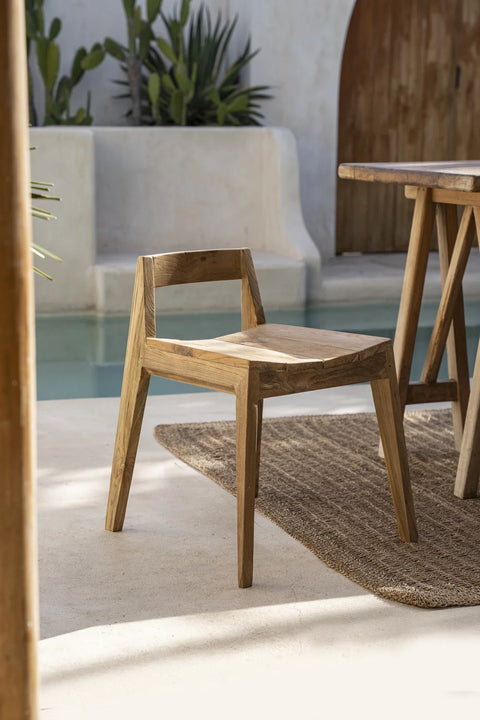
199 87
40 191
57 91
184 79
133 56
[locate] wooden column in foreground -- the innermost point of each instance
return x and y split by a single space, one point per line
18 561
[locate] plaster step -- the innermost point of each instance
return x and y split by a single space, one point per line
378 277
282 282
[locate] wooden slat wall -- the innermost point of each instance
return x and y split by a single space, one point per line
466 143
399 102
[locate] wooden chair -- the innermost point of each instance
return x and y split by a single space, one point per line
259 362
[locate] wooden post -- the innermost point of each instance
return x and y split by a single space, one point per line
18 561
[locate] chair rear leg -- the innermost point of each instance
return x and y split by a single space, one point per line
390 422
130 417
247 473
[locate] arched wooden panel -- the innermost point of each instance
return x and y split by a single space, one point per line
409 90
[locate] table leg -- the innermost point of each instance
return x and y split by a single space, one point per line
469 462
414 280
468 471
457 357
451 291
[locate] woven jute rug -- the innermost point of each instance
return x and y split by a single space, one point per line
321 481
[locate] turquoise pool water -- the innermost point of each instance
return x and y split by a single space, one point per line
82 356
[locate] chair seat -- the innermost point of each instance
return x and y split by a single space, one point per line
280 345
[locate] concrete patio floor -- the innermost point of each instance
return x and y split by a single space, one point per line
149 623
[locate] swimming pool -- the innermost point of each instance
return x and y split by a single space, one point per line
81 356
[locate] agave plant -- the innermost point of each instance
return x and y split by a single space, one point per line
198 87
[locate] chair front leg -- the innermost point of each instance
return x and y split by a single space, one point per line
132 405
259 443
247 415
390 423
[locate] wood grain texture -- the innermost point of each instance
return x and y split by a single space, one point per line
457 357
441 391
447 197
456 176
468 471
18 557
412 290
252 308
247 473
452 287
260 361
409 91
390 422
178 268
133 396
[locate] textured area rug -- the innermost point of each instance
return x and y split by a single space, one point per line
322 481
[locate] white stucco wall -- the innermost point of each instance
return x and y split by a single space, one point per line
131 191
301 46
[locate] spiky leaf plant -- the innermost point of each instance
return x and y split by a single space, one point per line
200 87
41 191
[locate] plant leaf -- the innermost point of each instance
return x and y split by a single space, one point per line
62 95
239 103
137 20
153 8
42 48
53 64
154 88
44 214
183 81
145 38
168 83
115 50
43 274
167 50
184 12
31 25
177 107
129 7
79 116
55 28
41 21
77 72
221 113
45 253
94 58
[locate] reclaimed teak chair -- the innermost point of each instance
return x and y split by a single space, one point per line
259 362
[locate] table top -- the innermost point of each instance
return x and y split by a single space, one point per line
462 175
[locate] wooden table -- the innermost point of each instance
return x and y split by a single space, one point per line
439 190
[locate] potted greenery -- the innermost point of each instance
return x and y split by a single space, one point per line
190 165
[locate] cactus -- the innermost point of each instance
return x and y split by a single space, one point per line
134 55
57 91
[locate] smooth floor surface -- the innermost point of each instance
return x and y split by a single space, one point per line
149 623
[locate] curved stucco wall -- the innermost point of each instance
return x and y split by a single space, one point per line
131 191
301 46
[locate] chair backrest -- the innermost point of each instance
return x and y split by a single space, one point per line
192 266
178 268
